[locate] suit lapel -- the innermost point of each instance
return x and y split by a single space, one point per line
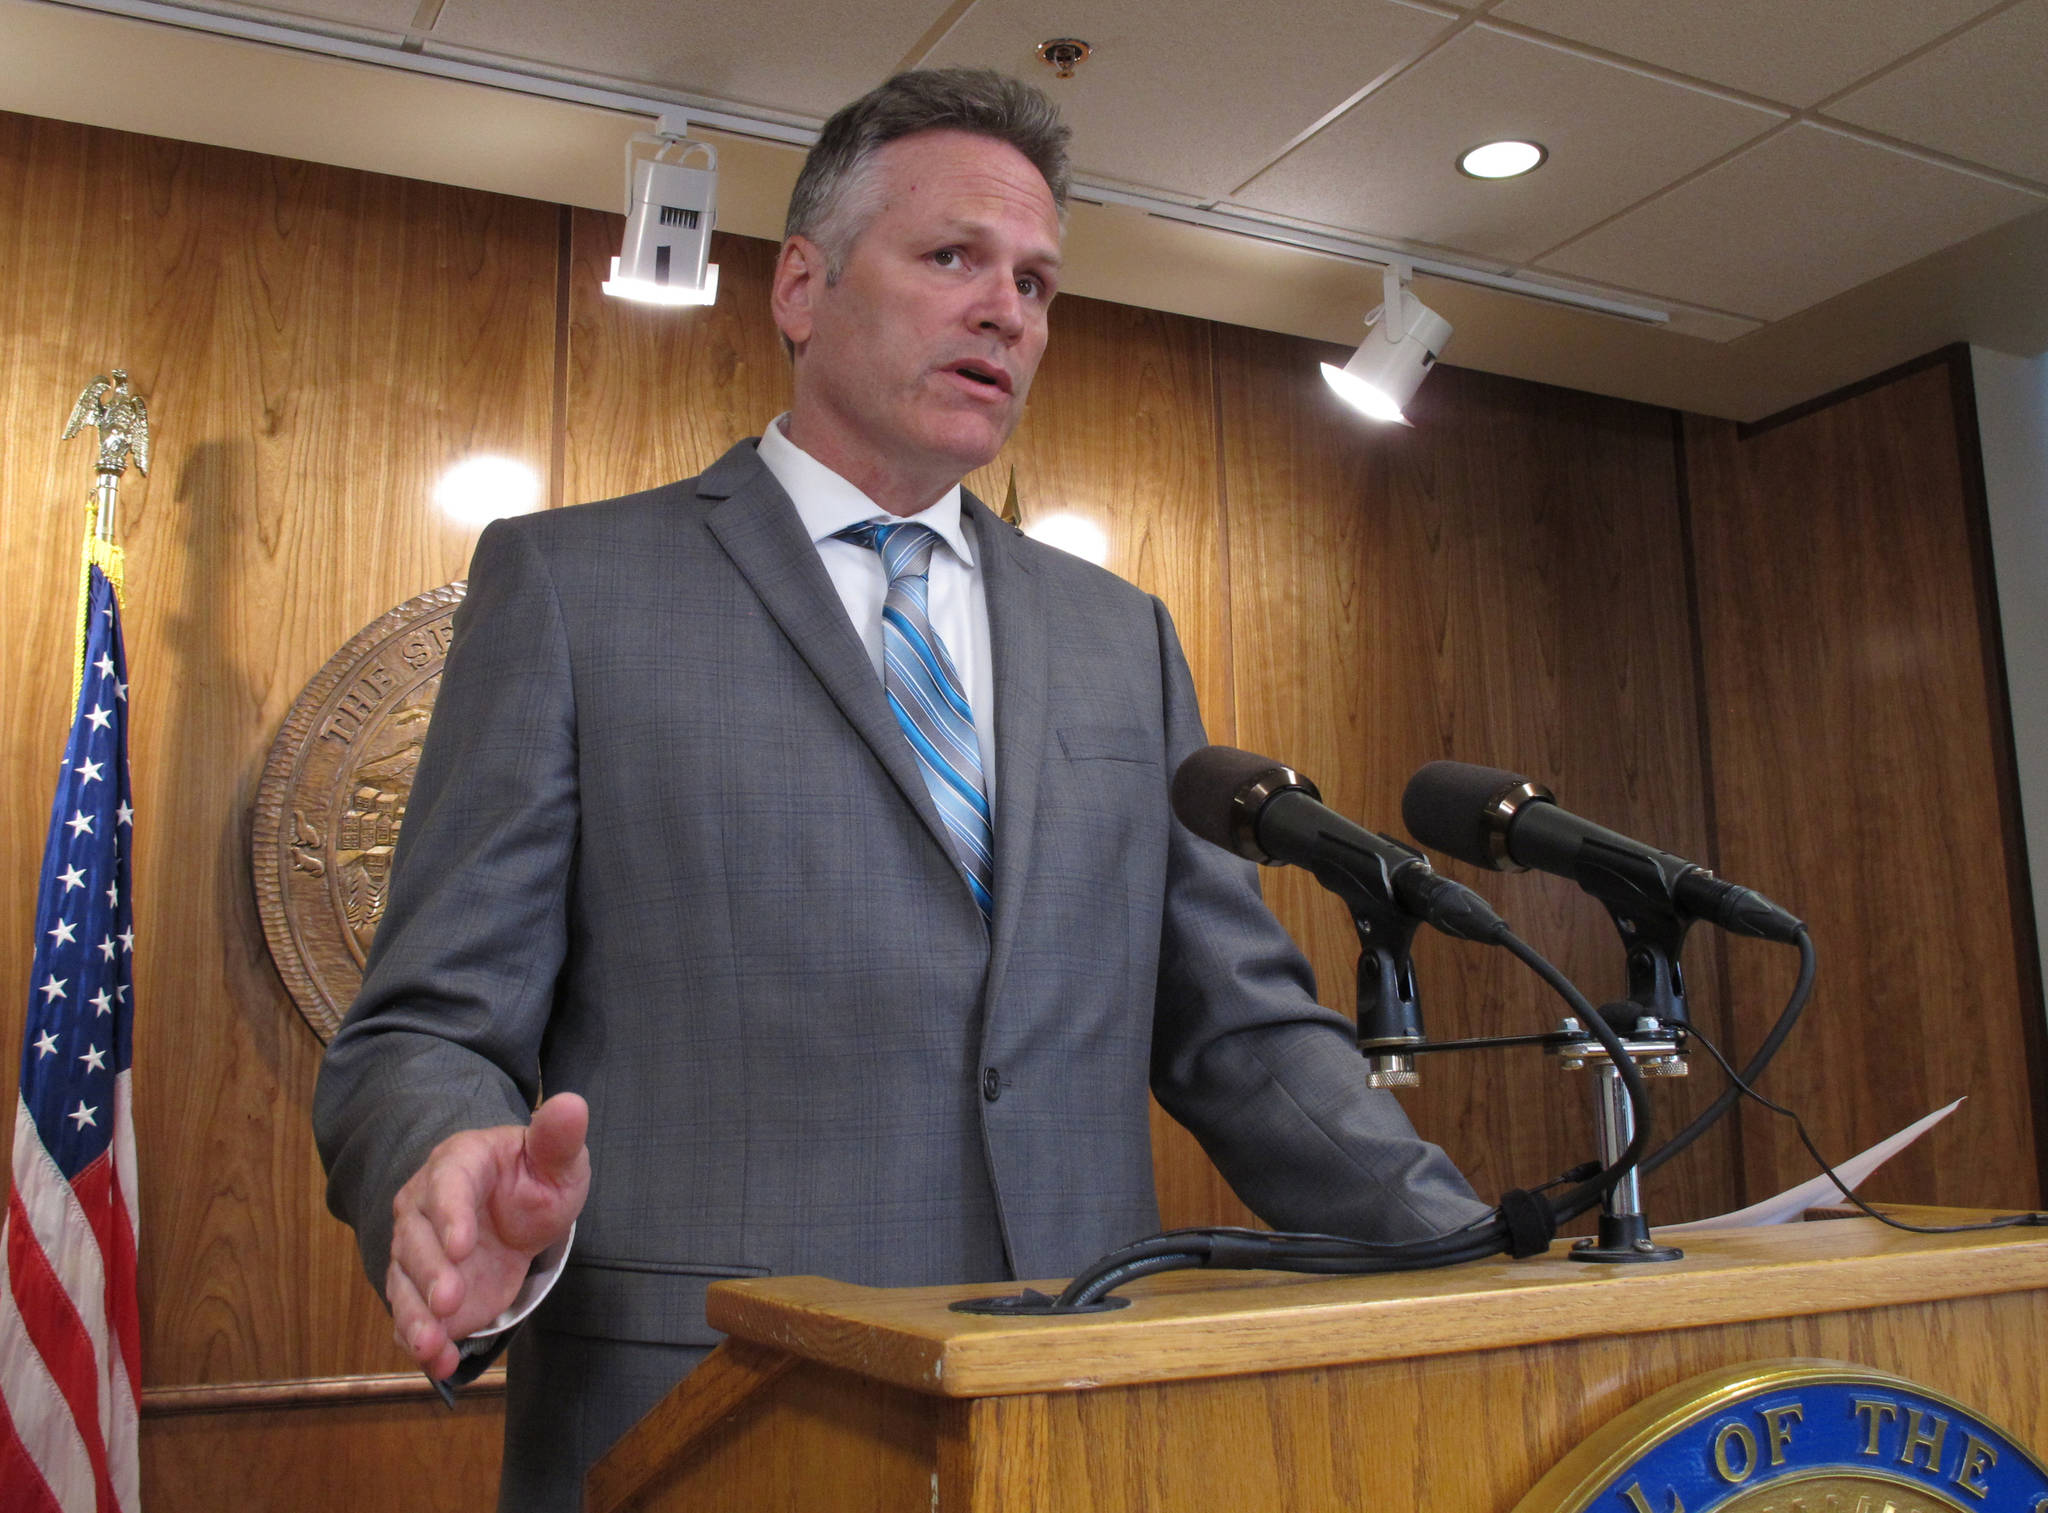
1019 658
760 531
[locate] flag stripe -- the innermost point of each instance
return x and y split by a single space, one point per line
28 1483
32 1395
51 1322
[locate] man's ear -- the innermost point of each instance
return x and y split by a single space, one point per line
799 280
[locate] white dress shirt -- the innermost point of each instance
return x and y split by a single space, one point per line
957 601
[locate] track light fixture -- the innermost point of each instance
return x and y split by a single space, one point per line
670 208
1403 339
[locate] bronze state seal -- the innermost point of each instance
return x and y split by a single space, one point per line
333 797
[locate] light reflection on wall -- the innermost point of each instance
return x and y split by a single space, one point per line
1072 533
478 490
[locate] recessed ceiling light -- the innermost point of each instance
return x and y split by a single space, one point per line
1502 160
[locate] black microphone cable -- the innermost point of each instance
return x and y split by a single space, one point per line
1742 1088
1802 990
1523 1225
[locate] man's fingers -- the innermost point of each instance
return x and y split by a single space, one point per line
417 1254
554 1140
414 1325
457 1181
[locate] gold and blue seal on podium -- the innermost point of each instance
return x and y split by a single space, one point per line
1795 1436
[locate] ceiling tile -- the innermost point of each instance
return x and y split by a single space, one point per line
1388 168
788 55
1797 53
1191 96
390 17
1982 95
1795 219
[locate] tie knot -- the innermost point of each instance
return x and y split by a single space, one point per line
905 547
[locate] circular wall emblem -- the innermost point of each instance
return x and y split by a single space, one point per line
333 796
1795 1436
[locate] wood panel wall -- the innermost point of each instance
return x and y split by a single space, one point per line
1850 667
1512 582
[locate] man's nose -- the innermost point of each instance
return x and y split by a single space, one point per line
1000 308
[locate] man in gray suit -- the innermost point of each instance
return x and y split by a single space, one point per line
701 847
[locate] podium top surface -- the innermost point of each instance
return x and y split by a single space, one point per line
1208 1324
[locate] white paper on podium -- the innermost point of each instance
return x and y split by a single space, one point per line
1820 1192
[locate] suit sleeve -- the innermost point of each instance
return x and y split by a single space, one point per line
446 1032
1270 1082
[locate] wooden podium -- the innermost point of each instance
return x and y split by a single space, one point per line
1448 1390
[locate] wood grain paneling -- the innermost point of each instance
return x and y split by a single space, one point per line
367 1458
1854 756
1503 584
316 345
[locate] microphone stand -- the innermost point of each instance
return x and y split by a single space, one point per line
1651 1022
1389 1003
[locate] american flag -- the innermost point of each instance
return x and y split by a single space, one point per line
70 1352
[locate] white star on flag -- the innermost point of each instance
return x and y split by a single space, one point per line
71 878
124 814
128 940
105 666
54 988
99 717
94 1058
46 1044
82 1116
80 823
102 1003
113 894
64 932
90 771
107 949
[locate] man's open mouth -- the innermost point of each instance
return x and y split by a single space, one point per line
991 377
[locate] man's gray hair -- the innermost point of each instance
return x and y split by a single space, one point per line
837 195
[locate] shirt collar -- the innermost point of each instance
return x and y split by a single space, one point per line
827 503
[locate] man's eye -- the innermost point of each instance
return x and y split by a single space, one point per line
946 257
1029 287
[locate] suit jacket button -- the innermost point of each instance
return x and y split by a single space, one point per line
991 1084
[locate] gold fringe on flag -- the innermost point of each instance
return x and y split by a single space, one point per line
95 552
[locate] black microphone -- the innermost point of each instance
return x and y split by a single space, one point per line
1271 814
1504 821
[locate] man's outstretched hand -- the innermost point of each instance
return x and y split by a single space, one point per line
467 1226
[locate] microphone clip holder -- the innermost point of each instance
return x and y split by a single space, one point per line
1658 1050
1389 1002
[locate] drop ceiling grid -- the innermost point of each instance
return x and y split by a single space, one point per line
1388 167
1798 53
1981 96
799 56
1183 95
1803 215
390 19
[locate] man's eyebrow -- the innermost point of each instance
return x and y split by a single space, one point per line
955 229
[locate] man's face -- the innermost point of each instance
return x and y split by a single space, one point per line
911 369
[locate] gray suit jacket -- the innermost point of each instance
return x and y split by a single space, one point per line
668 848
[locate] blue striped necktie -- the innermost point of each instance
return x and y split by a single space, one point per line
924 691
